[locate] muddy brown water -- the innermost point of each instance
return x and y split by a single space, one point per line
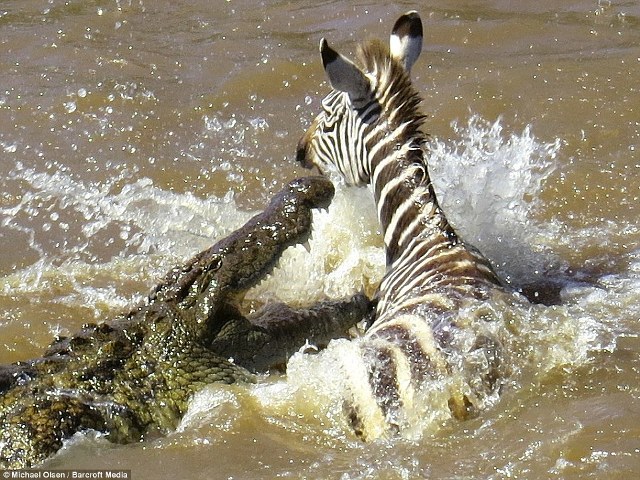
134 133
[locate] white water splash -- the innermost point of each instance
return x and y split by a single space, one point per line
345 254
488 184
159 219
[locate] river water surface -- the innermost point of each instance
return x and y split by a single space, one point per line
134 133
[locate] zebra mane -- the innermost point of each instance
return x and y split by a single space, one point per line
392 87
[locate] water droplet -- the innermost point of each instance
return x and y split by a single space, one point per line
82 92
212 124
259 123
70 107
10 148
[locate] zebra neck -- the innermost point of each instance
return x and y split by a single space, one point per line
406 202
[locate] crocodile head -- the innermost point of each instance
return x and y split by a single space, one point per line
137 372
238 262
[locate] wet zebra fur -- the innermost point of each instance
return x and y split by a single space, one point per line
432 319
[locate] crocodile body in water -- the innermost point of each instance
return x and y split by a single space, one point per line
133 376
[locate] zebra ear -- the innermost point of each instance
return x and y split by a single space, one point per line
406 39
343 74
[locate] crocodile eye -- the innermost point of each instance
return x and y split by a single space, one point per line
215 264
210 265
208 271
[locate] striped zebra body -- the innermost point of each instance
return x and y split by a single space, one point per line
370 133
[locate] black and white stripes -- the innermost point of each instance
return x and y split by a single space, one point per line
370 133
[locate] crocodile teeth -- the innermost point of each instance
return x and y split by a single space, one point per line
307 246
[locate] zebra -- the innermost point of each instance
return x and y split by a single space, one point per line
434 317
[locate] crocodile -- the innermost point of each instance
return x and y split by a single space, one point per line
131 377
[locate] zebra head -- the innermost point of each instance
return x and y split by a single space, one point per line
370 110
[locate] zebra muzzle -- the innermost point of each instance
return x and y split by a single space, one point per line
302 153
